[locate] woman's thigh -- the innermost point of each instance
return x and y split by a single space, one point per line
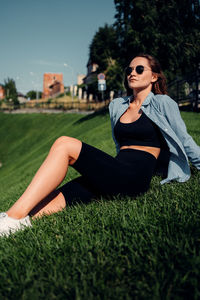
129 173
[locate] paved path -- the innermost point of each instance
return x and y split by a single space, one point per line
47 111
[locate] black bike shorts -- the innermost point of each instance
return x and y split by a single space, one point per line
129 173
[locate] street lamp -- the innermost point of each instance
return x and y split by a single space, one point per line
35 83
19 80
72 70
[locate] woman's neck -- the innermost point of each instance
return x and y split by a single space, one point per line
140 96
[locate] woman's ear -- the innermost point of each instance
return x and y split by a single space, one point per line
154 77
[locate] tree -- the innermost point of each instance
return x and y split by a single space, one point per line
33 95
168 29
104 51
11 91
103 47
114 77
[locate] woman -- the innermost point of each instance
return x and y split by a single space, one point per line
146 127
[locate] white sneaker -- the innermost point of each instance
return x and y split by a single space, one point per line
9 225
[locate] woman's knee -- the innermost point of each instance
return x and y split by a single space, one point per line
63 141
71 145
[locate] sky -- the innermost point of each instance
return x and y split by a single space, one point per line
48 36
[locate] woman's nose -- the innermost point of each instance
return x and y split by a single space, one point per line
133 72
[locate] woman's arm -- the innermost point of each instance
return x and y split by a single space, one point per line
112 125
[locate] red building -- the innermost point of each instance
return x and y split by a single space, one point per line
52 85
2 92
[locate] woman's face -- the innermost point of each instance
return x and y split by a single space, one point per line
142 81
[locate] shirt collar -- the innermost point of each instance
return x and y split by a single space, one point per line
146 101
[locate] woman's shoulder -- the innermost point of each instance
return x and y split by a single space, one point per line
164 101
163 98
118 101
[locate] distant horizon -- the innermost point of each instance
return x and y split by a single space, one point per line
43 37
65 86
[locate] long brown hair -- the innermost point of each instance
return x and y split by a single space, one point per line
158 87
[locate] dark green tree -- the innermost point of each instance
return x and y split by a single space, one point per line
104 51
103 47
167 29
33 95
11 91
114 77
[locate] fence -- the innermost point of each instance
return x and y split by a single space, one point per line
186 91
74 105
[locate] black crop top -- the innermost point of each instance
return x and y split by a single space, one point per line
142 132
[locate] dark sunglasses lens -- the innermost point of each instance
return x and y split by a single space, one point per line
128 71
139 69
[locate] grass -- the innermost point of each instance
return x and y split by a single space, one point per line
143 248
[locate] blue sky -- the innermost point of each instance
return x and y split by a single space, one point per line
39 36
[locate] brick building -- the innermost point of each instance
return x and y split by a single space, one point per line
2 92
52 85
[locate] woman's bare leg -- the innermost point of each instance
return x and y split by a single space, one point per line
53 203
64 152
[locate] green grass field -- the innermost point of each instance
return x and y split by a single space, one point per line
142 248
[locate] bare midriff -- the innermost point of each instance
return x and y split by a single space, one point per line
152 150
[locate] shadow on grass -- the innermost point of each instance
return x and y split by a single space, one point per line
100 112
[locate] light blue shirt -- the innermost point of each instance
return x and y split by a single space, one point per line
164 112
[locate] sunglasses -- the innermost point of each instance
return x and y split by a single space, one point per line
139 70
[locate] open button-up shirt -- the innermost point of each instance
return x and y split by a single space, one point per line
164 112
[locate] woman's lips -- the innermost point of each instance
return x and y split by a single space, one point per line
132 80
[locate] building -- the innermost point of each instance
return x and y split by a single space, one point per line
21 98
91 72
80 78
52 85
2 92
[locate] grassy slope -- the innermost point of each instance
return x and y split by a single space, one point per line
26 139
144 248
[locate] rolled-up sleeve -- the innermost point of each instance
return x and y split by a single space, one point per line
177 124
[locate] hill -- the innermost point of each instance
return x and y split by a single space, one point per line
26 139
142 248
